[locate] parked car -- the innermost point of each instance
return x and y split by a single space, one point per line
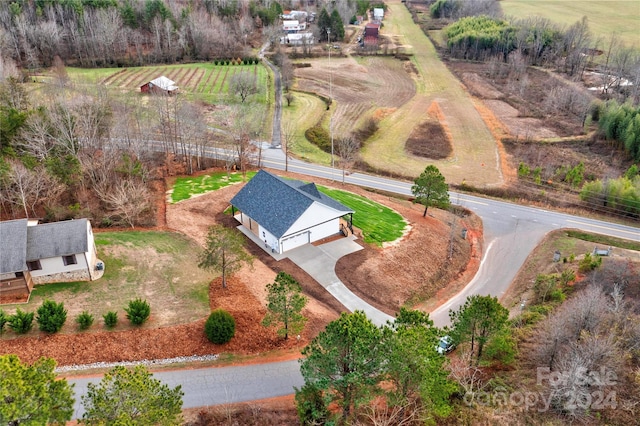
445 345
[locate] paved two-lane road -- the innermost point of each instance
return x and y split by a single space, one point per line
510 233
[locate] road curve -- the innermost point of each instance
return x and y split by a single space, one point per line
511 232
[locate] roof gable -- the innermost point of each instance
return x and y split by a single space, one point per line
164 83
57 239
276 203
13 245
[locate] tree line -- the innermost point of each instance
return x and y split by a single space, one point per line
481 34
85 151
124 32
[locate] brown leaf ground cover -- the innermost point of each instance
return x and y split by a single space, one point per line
386 277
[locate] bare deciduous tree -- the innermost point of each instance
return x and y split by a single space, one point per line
243 84
347 148
27 189
127 200
287 138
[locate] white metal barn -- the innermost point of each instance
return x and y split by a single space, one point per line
286 214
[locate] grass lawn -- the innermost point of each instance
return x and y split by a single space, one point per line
475 159
605 16
303 113
160 267
187 187
379 224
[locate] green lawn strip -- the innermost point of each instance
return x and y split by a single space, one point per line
224 85
93 75
302 114
219 83
473 142
604 240
200 73
186 187
379 224
159 240
210 86
133 79
205 81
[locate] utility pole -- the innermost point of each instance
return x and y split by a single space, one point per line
330 98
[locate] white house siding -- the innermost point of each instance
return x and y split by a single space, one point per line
324 230
319 219
91 255
293 241
54 270
268 239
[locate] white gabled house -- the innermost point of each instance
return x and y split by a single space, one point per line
32 253
291 27
285 214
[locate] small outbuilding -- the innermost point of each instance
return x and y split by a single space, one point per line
285 214
378 14
371 34
161 85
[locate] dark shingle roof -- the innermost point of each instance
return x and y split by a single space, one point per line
277 203
57 239
13 246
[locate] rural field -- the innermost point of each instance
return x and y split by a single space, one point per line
201 81
605 17
402 96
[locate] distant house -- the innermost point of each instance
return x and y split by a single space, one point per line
286 214
378 14
45 253
298 39
161 85
299 15
371 34
291 27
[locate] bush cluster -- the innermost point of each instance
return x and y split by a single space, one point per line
84 320
220 327
51 316
4 318
21 322
319 137
138 311
110 319
237 61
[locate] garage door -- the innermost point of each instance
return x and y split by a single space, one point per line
295 241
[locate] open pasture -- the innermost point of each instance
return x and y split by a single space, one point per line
605 17
204 81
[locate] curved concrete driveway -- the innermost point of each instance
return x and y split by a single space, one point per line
320 263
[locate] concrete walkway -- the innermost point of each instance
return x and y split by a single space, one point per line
320 263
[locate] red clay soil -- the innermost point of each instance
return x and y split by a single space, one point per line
411 271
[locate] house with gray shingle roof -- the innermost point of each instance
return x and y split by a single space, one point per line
32 253
286 214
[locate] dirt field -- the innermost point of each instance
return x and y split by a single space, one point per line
362 88
400 94
365 272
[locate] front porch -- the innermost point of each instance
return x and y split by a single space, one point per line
16 290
